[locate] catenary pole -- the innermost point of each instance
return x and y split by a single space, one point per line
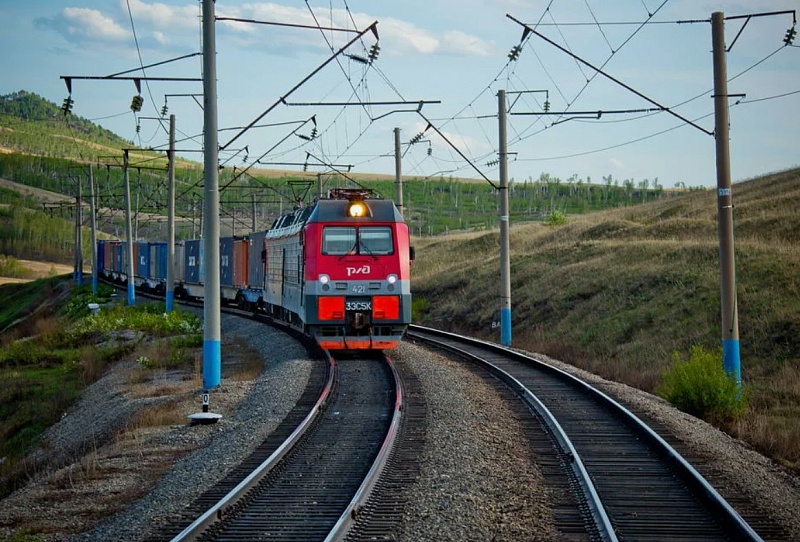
212 338
128 230
93 222
505 250
170 297
253 225
727 269
78 234
398 171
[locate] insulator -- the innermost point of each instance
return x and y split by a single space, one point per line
374 51
164 110
546 106
245 158
416 138
138 127
492 163
359 59
314 132
430 151
789 38
66 107
136 103
305 166
514 53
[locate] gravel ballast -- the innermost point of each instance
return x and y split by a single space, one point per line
478 475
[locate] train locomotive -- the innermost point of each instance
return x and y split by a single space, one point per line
337 269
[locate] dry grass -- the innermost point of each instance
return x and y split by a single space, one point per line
617 292
160 414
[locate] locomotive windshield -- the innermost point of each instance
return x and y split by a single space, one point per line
372 240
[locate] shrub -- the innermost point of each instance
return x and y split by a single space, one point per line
700 386
556 218
419 305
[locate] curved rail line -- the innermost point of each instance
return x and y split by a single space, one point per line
635 484
313 485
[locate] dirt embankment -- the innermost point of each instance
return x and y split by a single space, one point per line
39 270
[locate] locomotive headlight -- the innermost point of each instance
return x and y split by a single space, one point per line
325 281
391 279
357 209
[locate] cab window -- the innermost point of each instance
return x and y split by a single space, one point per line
338 240
372 240
375 240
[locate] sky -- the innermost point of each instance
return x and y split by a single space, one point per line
655 93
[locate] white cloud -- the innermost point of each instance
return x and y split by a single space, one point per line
397 37
163 16
458 42
82 24
616 163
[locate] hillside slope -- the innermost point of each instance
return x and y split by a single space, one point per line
617 292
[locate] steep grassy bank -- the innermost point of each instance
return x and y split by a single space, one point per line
617 292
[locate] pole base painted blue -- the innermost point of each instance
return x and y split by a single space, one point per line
131 294
505 327
94 285
170 301
212 363
731 360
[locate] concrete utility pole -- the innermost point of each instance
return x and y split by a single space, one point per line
253 196
505 250
128 230
727 269
78 236
398 171
212 336
93 221
170 297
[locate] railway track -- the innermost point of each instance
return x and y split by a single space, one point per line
631 485
311 477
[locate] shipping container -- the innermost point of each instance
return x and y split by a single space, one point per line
120 257
141 258
158 262
255 260
193 261
99 264
179 265
240 258
226 261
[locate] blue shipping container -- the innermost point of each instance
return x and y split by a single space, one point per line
158 261
142 254
226 261
101 256
193 261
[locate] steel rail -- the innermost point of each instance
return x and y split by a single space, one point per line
603 524
728 514
216 512
351 513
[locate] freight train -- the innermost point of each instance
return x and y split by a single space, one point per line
338 270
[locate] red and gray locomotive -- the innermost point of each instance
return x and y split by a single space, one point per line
338 269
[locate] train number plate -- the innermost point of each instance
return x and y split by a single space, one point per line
358 306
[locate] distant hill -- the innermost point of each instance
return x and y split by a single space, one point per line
42 147
30 124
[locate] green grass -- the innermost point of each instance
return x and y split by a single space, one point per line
42 375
